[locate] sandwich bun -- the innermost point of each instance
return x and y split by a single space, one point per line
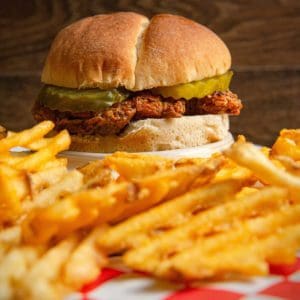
158 134
128 50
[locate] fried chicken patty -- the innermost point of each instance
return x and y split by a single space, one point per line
140 106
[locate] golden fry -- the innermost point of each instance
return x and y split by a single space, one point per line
249 156
292 134
35 161
137 229
45 178
14 268
182 162
10 236
86 260
231 170
168 184
189 219
10 160
55 163
282 248
133 166
81 209
289 164
110 204
26 137
39 144
67 183
149 256
97 174
247 256
287 147
45 273
241 259
262 228
14 187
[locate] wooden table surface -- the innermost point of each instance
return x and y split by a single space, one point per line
263 37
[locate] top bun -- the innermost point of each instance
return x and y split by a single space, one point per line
127 49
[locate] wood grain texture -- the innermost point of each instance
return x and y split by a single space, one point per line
263 37
17 95
258 33
271 102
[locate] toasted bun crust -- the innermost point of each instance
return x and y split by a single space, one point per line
126 49
158 134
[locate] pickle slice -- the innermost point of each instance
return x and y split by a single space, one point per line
196 89
64 99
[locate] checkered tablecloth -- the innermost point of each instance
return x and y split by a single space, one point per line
119 284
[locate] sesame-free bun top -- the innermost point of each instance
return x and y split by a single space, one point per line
127 49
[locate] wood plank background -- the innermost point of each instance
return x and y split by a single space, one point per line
263 37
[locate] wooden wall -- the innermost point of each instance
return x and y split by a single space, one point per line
263 37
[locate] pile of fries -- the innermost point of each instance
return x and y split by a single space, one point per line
230 215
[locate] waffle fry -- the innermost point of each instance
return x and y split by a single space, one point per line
45 178
148 257
138 229
86 260
64 184
111 204
96 174
46 285
249 156
202 249
290 165
190 219
49 268
206 250
14 188
133 166
288 144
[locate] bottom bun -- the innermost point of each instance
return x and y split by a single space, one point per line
158 134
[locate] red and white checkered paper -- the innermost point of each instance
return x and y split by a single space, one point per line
119 284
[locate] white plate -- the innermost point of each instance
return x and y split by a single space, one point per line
78 158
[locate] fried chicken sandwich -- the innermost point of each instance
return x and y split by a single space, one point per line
123 82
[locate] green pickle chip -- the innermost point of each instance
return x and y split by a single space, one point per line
65 99
196 89
76 100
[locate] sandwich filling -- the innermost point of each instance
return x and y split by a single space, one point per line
96 112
